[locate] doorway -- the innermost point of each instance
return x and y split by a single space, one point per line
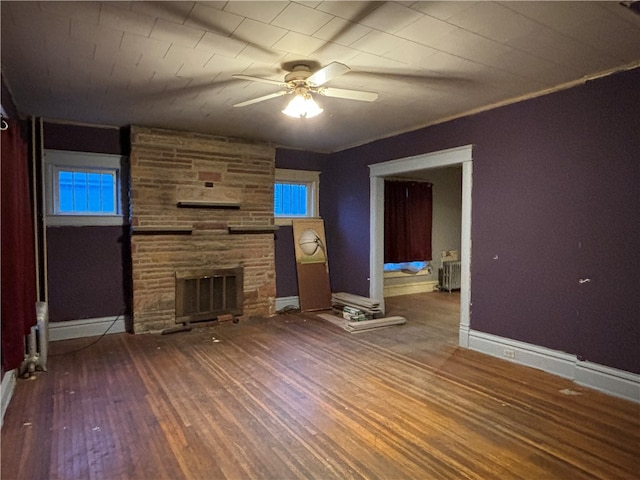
451 157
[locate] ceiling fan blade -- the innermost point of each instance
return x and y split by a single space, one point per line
262 99
261 80
331 71
176 90
349 94
199 17
416 79
361 10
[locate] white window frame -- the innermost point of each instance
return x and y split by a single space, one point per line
57 160
311 179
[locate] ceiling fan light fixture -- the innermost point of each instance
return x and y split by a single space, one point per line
302 106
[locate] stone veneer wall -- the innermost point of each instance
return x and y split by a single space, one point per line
168 167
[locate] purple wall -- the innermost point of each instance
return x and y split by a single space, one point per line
79 138
555 200
88 267
286 274
85 271
345 188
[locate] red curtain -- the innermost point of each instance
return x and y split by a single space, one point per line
18 262
407 221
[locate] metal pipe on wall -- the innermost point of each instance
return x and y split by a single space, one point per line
39 217
42 214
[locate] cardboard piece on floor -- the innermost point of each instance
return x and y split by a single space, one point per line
314 290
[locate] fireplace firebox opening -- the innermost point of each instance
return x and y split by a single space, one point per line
208 295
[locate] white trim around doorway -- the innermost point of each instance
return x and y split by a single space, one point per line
377 172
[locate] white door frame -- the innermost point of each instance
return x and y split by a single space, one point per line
444 158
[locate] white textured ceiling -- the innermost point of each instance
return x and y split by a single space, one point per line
169 64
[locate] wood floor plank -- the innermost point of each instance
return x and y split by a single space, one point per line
295 397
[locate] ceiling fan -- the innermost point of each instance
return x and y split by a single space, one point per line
302 82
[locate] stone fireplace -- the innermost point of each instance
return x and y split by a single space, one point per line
206 295
199 203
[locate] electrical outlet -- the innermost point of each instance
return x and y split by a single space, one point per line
508 353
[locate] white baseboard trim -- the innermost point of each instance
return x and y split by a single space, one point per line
552 361
282 302
609 380
89 327
612 381
8 386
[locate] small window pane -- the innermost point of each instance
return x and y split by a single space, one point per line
94 190
290 199
65 191
86 192
108 193
277 199
79 191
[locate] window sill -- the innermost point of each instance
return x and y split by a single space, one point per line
85 220
253 229
286 221
406 274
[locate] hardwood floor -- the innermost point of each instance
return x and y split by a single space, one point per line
295 397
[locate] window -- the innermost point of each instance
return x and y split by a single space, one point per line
290 200
295 195
86 192
410 267
83 188
408 213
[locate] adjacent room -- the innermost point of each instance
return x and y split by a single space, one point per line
320 239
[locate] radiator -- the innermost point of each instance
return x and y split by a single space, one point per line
37 343
449 276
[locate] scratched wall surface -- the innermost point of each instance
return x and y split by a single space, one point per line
555 223
555 201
